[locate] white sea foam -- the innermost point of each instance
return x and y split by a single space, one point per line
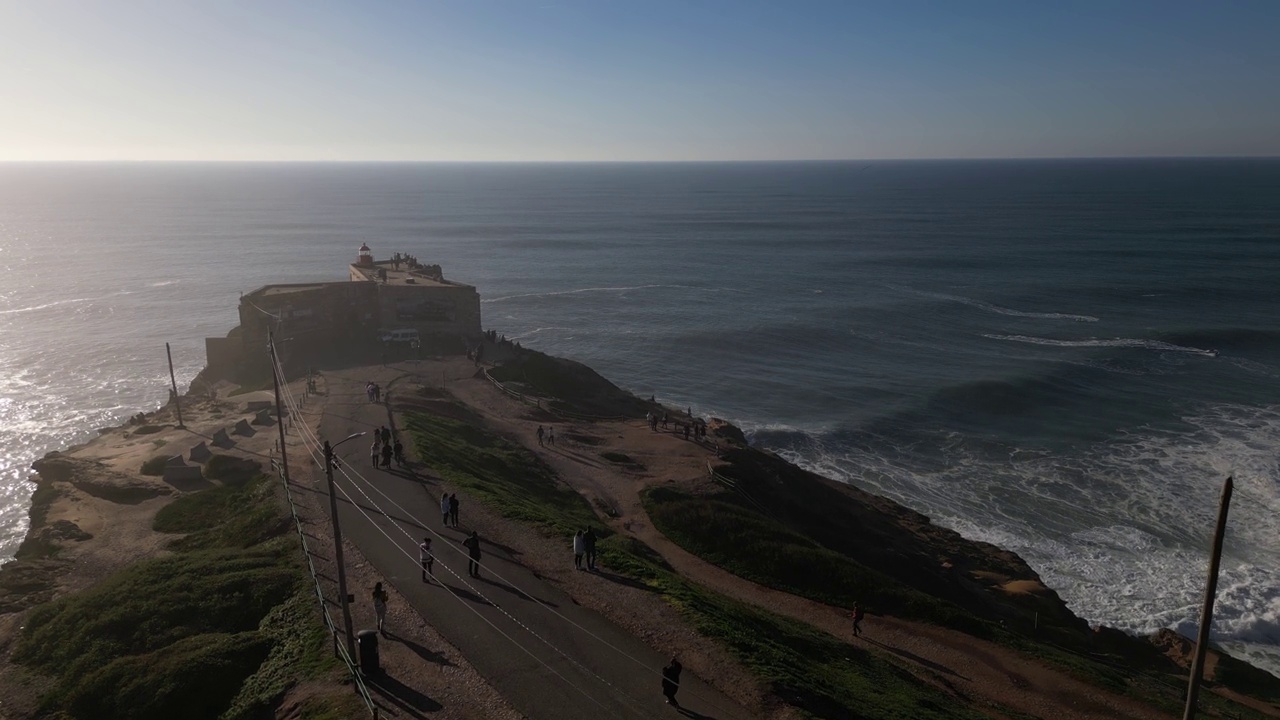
1105 342
1119 530
981 305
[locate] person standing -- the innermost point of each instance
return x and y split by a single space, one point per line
671 681
541 433
444 508
551 435
380 607
472 544
385 432
453 509
426 558
373 452
579 548
386 456
589 544
857 614
398 447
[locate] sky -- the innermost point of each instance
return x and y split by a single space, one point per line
642 80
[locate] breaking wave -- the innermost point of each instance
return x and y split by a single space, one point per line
1104 343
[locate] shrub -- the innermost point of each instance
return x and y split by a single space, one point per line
231 470
155 466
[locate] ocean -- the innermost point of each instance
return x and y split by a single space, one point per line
1065 358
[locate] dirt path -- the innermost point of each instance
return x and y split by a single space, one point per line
960 664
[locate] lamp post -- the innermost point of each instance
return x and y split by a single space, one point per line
337 544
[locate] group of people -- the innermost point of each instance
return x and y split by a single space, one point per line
584 545
694 427
449 509
386 448
373 391
547 436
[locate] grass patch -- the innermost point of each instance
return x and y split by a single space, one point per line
155 465
220 629
505 476
752 545
231 470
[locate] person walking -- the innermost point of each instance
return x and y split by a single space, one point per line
579 549
472 544
398 447
541 433
385 433
386 456
589 545
857 614
551 436
453 509
426 558
444 508
380 607
671 681
374 452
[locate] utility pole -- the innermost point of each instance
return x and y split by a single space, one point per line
275 380
177 402
1206 612
337 546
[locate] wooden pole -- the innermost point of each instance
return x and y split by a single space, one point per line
275 380
337 553
177 402
1206 612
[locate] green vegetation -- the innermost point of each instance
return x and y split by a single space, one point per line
575 387
231 470
155 465
221 629
506 476
752 545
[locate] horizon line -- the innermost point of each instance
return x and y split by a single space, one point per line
634 162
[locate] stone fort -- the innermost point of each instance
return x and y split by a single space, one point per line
328 317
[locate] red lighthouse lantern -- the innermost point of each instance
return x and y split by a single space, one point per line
366 256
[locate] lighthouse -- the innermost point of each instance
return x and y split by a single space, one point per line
365 259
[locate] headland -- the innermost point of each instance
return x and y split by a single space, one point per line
739 563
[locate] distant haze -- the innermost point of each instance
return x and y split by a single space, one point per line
644 80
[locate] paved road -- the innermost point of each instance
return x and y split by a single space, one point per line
513 640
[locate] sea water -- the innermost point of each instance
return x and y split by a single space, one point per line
1065 358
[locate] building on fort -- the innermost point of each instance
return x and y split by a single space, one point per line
379 296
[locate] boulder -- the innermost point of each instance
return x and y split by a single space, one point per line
200 453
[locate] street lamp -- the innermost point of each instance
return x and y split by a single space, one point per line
337 544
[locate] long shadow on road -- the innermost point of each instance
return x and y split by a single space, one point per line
424 653
412 702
